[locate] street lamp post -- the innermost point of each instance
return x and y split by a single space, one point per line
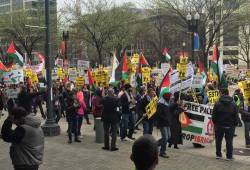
193 28
50 128
65 39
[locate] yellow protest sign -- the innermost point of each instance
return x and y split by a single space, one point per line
135 59
28 73
152 107
34 78
213 96
182 69
60 73
80 81
245 88
184 60
101 77
248 74
146 75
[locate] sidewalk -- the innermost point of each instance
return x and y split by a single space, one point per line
88 155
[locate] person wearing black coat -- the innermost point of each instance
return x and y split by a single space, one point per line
175 127
164 118
25 99
225 119
110 118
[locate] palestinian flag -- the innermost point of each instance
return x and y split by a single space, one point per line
202 72
4 68
12 52
216 70
165 53
124 67
165 84
142 62
194 123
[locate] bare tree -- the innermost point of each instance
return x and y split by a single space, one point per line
214 15
102 24
26 37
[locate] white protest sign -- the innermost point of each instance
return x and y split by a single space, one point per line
197 81
15 76
12 93
72 74
59 62
197 125
54 74
83 64
177 85
133 82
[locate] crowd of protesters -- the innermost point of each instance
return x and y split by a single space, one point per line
121 108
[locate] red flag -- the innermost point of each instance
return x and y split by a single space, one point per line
124 67
143 60
91 81
215 54
11 49
201 68
4 68
62 48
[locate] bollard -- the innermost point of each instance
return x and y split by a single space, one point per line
99 131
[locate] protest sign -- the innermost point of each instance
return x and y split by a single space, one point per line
15 76
245 88
213 96
54 74
133 82
135 59
101 77
200 128
80 81
12 93
182 69
60 73
248 74
146 76
72 74
152 107
83 64
197 81
34 79
59 63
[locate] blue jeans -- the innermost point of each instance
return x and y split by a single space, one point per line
126 119
247 129
165 136
148 127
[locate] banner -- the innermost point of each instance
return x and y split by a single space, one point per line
15 76
152 107
200 128
213 96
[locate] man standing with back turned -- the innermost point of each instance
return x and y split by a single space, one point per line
225 119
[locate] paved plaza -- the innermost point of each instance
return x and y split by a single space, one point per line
88 155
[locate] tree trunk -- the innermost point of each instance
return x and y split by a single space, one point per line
99 51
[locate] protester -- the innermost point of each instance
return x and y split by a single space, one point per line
81 110
97 106
110 118
164 118
225 118
72 105
175 127
27 139
87 100
25 98
148 124
145 153
125 99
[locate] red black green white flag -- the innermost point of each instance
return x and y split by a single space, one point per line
165 84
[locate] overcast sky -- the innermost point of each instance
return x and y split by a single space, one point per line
138 3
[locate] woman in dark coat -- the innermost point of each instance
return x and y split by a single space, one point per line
175 128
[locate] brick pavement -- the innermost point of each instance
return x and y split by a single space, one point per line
89 156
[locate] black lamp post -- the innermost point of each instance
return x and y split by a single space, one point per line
50 127
65 39
193 22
